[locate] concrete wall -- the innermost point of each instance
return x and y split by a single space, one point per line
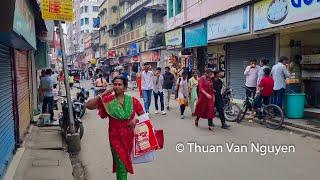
195 10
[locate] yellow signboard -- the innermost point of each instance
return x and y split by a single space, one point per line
57 10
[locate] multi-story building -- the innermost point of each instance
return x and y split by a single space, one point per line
109 16
139 31
86 20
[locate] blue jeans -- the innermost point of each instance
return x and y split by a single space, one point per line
278 96
156 95
147 99
48 102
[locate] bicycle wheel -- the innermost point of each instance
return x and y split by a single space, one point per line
273 116
243 111
231 112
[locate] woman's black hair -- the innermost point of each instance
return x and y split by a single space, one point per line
124 80
216 72
267 71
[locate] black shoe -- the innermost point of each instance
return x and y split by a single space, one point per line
225 126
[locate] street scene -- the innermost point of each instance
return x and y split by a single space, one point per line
159 89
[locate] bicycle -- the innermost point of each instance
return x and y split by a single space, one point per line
271 115
231 110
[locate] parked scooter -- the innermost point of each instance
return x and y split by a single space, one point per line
64 117
82 96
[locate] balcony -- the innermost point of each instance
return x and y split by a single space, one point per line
129 37
133 7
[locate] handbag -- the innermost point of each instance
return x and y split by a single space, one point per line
160 138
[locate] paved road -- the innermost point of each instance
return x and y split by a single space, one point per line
303 164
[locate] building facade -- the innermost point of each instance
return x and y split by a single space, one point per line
86 21
234 32
22 49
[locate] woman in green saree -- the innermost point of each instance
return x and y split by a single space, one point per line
121 110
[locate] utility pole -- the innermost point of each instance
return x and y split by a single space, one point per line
73 139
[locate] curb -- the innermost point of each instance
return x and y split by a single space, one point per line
315 130
303 131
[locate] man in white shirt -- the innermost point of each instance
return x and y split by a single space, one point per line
279 74
147 86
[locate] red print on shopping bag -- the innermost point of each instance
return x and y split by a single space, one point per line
144 139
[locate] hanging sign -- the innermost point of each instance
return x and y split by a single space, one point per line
57 10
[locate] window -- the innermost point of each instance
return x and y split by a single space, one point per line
179 7
81 10
170 9
87 30
82 22
86 21
95 8
157 18
86 9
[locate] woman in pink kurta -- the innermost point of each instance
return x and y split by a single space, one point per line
205 105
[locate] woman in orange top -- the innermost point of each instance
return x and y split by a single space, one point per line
138 79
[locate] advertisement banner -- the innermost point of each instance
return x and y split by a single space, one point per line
273 13
23 22
150 56
174 38
196 35
233 23
133 49
57 10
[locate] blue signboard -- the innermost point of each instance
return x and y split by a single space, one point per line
196 35
23 23
133 49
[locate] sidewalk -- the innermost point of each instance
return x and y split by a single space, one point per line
43 156
310 127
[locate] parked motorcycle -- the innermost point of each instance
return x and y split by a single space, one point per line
82 96
64 117
231 110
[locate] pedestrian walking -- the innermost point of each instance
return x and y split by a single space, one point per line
279 74
121 110
168 81
183 92
46 89
100 85
251 74
147 86
217 86
205 105
138 79
158 91
193 94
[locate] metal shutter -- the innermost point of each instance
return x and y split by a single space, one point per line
7 136
238 56
23 91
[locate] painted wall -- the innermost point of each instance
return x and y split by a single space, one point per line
195 10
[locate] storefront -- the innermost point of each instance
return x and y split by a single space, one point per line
298 26
196 41
231 24
7 125
150 57
17 45
174 44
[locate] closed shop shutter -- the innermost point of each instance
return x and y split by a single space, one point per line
23 93
238 56
7 135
